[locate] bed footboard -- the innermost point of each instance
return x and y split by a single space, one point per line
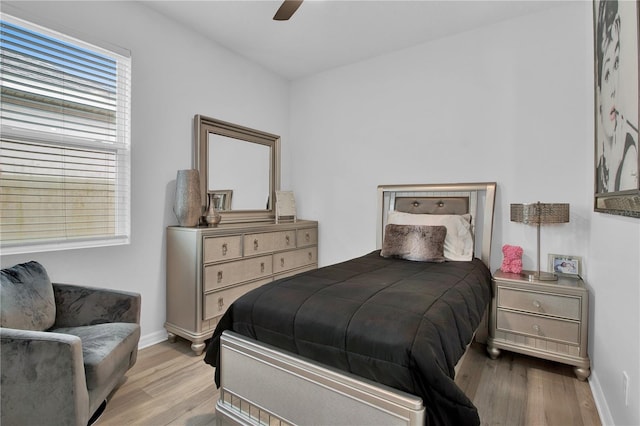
255 376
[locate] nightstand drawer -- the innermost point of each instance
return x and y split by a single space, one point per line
538 326
540 303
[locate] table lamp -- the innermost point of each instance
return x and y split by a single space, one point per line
537 214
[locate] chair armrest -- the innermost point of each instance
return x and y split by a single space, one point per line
79 305
43 378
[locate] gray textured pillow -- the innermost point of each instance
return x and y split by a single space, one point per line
420 243
26 298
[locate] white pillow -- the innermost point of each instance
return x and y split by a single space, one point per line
458 244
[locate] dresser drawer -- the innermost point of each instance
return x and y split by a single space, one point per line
538 326
269 242
307 237
284 240
548 304
294 259
258 243
226 274
221 248
216 303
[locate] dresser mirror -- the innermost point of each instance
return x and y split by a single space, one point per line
240 164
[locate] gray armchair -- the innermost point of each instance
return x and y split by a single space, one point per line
63 348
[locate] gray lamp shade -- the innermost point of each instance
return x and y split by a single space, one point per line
540 213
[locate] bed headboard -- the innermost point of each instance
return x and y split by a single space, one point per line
476 199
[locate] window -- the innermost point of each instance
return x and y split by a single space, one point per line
64 141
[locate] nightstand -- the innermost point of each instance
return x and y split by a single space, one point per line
545 319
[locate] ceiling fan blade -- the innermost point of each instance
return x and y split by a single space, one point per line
287 9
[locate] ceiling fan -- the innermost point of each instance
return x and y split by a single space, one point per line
287 9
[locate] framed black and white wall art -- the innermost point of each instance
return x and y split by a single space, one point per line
617 189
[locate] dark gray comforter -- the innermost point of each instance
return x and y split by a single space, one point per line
401 323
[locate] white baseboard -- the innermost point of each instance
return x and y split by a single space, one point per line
151 339
600 400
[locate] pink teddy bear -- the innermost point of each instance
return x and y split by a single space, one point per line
512 261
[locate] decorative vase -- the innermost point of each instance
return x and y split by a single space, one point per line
187 205
212 216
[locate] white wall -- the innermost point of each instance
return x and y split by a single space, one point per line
614 276
511 103
176 74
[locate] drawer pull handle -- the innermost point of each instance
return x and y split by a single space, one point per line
219 277
282 261
255 244
536 328
310 256
287 239
537 304
261 267
224 249
307 237
220 303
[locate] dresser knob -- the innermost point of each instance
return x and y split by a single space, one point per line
261 267
220 303
219 277
287 239
282 261
536 328
537 304
310 256
224 249
255 244
307 237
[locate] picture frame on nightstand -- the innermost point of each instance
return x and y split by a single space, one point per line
565 265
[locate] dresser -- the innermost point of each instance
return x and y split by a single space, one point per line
210 267
545 319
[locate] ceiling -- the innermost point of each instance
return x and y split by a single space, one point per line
326 34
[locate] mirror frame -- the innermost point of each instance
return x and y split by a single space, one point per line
203 126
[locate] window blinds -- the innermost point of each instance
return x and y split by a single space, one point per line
65 143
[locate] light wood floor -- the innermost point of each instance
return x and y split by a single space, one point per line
169 385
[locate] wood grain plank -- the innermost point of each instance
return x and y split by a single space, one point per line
170 385
588 410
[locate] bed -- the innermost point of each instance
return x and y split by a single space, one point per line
375 339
